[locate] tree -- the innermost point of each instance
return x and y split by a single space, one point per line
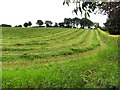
18 26
48 23
112 9
105 7
68 22
89 23
113 22
25 24
61 24
29 23
5 25
39 22
83 5
86 23
83 23
56 25
75 22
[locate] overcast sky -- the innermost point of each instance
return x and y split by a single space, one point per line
17 12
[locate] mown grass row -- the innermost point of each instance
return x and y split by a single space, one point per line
31 54
50 33
96 67
37 41
67 49
31 32
9 49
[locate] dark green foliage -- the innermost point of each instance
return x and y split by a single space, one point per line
113 22
86 22
56 25
25 24
48 23
86 6
29 23
112 9
5 25
61 24
39 22
68 22
75 21
18 26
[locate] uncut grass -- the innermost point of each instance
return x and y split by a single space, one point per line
89 70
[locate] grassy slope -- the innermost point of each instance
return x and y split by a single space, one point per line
59 57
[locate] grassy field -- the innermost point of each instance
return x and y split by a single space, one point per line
59 58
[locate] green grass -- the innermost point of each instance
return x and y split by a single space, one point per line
59 58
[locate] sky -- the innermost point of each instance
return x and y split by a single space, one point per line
17 12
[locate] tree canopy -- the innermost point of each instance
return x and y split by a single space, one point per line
68 22
48 23
29 23
5 25
39 22
25 24
113 22
86 23
109 8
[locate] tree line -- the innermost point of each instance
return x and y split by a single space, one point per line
67 23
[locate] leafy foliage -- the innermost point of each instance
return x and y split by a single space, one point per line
56 25
82 5
105 7
48 23
5 25
18 26
25 24
68 22
39 22
61 24
113 21
86 22
29 23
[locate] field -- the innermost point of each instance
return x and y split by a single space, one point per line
59 58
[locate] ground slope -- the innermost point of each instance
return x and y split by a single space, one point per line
59 58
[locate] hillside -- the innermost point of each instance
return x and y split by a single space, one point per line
59 58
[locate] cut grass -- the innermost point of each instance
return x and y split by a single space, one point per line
59 66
